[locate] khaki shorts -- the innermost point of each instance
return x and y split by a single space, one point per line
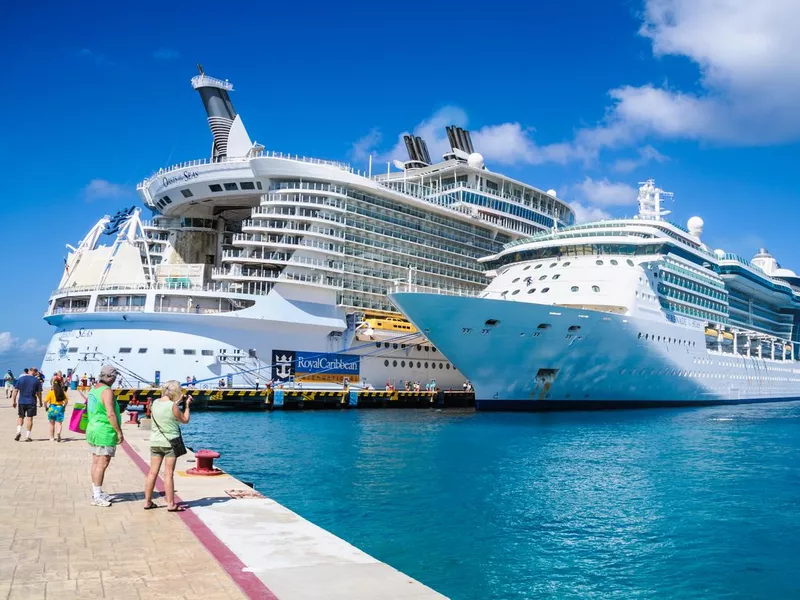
103 450
167 452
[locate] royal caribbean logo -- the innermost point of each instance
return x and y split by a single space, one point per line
282 365
314 366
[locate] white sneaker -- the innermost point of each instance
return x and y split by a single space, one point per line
108 497
100 501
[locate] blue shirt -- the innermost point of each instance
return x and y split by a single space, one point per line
28 385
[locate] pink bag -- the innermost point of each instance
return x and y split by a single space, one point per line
79 418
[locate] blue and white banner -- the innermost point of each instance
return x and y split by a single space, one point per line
315 366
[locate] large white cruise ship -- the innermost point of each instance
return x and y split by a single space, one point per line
260 266
620 313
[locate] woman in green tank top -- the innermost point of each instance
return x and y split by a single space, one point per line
167 419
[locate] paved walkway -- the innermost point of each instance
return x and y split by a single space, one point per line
55 544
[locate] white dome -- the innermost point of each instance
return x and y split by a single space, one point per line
695 225
552 193
719 253
784 273
475 160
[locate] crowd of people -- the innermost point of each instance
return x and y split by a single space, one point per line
104 425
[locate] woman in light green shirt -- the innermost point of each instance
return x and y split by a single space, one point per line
166 419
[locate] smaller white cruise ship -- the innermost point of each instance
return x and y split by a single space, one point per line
620 313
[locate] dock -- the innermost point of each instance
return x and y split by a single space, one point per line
307 399
232 542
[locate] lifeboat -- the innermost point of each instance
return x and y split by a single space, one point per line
711 335
377 328
727 338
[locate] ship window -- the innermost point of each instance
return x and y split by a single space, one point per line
377 344
503 295
258 184
530 291
515 280
419 365
426 365
515 292
73 349
595 288
640 335
543 277
385 344
187 193
574 328
427 349
613 262
630 262
124 350
230 187
492 322
545 290
394 363
433 348
403 363
574 288
598 262
526 267
566 264
167 200
169 350
215 187
544 326
189 352
419 348
247 185
553 265
447 366
142 350
386 363
207 352
556 276
539 266
394 346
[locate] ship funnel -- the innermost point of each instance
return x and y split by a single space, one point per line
460 143
417 152
230 137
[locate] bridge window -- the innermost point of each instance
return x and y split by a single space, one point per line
207 352
492 322
247 185
169 350
187 193
230 187
124 350
215 187
574 288
142 350
189 352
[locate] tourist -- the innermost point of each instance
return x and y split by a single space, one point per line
27 391
74 380
56 403
84 381
9 379
103 432
166 443
194 382
188 381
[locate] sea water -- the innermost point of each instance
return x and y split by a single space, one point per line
667 503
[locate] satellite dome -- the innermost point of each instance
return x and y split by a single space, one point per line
695 226
552 193
475 160
784 273
719 253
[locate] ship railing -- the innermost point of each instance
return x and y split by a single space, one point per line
119 309
404 286
61 310
202 80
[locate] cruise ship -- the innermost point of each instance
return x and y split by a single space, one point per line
257 266
627 312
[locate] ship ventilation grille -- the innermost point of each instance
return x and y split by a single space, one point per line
220 128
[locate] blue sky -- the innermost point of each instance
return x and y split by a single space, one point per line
582 96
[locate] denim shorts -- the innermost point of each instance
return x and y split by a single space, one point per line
167 452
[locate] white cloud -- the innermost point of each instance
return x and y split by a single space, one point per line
646 155
101 189
165 54
602 192
585 213
7 342
32 345
363 147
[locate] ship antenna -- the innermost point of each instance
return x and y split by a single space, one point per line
650 198
200 68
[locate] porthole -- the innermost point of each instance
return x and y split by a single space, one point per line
640 335
622 371
433 348
530 291
526 267
419 365
504 294
386 363
598 262
515 292
544 326
574 288
426 365
543 277
545 290
377 344
539 266
394 363
447 366
556 276
566 264
515 280
394 346
553 265
489 323
427 349
574 328
419 348
613 262
595 288
403 364
386 344
630 262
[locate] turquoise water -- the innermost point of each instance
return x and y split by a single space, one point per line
678 503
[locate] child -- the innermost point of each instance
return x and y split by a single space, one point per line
56 403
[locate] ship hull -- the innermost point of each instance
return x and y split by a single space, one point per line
525 356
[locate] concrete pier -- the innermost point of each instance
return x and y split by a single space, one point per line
231 543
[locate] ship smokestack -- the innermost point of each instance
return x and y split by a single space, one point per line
220 111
